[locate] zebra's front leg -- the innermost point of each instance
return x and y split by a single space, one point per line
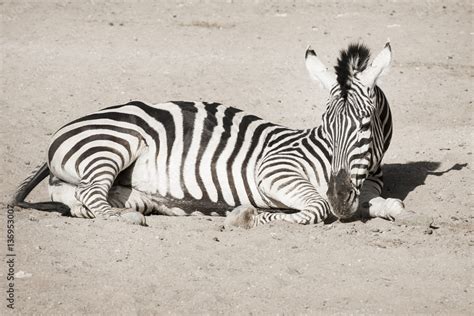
314 212
371 204
247 216
312 209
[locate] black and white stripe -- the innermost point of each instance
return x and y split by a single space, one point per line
177 158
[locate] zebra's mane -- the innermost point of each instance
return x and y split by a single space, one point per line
351 61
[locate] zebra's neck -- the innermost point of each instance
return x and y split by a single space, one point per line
305 152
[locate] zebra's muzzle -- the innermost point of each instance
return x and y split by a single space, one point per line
342 195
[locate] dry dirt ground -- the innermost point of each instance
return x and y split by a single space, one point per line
63 60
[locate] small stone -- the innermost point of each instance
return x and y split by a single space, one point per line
216 239
22 274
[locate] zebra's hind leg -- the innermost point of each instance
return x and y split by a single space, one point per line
126 197
131 198
60 191
94 196
123 205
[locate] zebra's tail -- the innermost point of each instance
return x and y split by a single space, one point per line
36 176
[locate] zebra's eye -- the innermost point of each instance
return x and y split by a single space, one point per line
364 126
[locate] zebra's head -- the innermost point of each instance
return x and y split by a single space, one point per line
347 122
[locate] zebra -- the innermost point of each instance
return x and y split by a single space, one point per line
189 158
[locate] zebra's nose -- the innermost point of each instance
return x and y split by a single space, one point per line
341 194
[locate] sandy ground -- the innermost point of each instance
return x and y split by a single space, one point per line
63 60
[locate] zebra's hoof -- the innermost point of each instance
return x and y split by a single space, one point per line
129 216
242 216
391 209
134 218
395 208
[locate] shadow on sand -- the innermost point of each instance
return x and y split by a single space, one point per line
401 179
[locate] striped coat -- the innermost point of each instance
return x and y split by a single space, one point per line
181 158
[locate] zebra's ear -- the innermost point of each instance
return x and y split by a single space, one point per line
318 71
379 67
